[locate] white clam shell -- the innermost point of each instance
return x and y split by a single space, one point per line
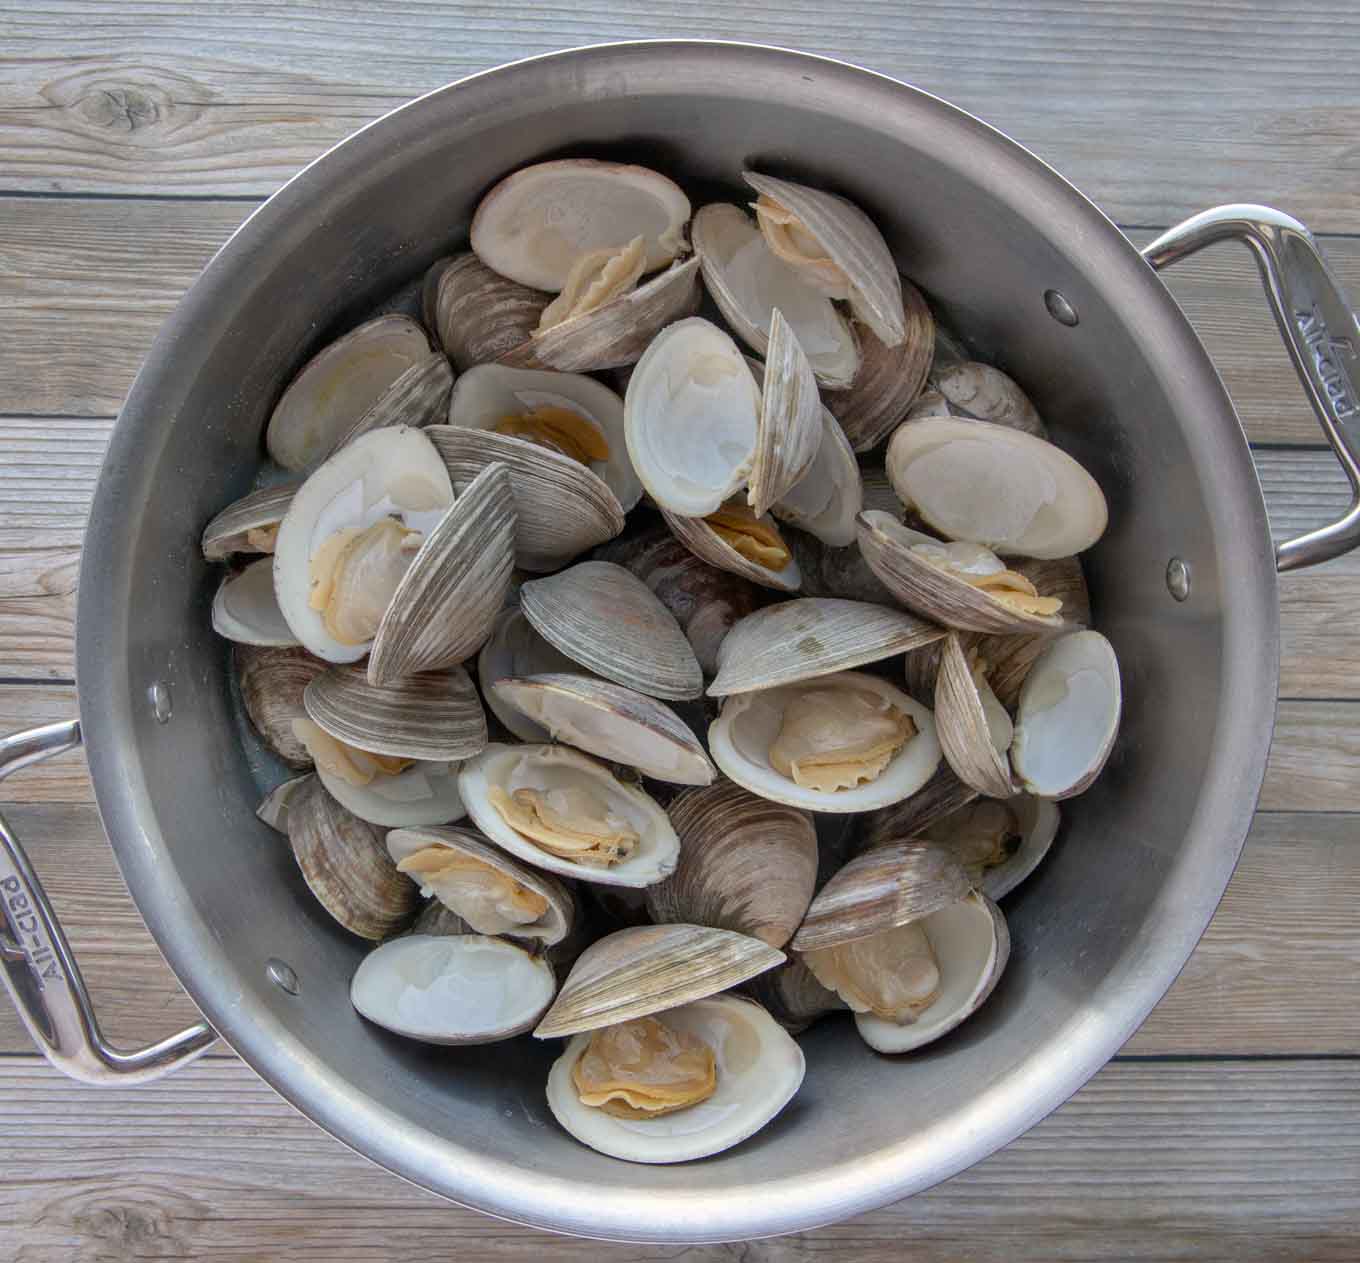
747 281
273 808
705 543
534 224
228 532
452 988
337 387
392 472
514 648
827 499
978 390
760 1069
549 767
739 742
246 610
419 397
789 429
974 729
977 481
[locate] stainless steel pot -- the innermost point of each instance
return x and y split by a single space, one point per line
1183 583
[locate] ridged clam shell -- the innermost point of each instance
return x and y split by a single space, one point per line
226 533
562 509
935 593
552 927
608 620
790 429
649 969
746 864
477 314
853 242
793 996
961 725
272 681
829 497
889 377
346 866
245 609
515 648
812 636
273 808
419 397
880 890
443 609
943 794
433 716
617 333
974 389
707 545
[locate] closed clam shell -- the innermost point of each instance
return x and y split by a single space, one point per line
978 390
605 618
246 520
618 333
562 509
552 927
746 864
446 602
419 397
939 797
514 648
881 889
272 681
853 243
890 549
649 969
889 379
792 995
789 431
432 716
477 314
337 387
346 866
747 281
273 808
810 637
613 723
827 499
698 535
705 599
246 610
969 731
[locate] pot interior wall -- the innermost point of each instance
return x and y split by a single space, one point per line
981 235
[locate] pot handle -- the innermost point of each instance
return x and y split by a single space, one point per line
41 974
1319 329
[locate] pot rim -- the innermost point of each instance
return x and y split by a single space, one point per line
1197 876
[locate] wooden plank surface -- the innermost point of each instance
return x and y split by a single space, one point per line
1155 108
1150 1161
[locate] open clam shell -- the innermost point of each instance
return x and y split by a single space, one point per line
792 995
514 648
971 945
942 795
446 602
479 907
905 561
985 483
827 499
386 473
649 969
434 988
607 620
974 729
534 225
789 429
747 281
613 723
346 866
273 808
889 379
419 397
746 864
812 636
246 610
1068 716
272 681
691 415
759 1070
507 400
999 843
434 716
564 776
561 508
741 739
477 314
248 525
818 229
338 386
701 537
974 389
881 890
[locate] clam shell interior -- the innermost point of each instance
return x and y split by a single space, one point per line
246 610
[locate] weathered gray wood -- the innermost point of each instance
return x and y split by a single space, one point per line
1156 108
1147 1162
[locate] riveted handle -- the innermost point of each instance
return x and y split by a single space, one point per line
1319 329
41 974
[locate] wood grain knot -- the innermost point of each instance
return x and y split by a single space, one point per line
136 103
129 1223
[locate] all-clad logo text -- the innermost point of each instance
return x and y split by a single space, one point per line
1327 353
28 932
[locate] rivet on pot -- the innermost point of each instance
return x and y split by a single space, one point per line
1060 309
162 705
1178 578
282 975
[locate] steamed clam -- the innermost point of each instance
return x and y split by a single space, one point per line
246 609
272 683
514 648
249 525
998 842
